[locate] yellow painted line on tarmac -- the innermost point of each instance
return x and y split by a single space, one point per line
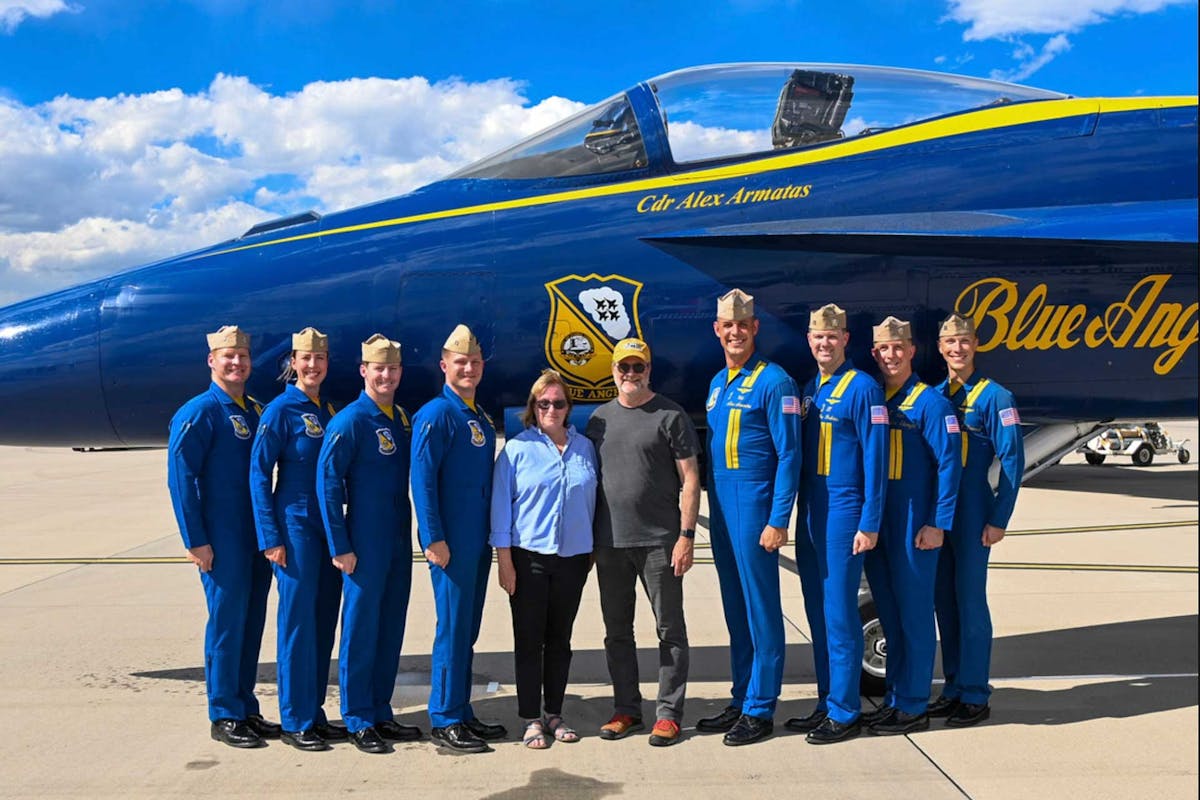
1159 568
1130 526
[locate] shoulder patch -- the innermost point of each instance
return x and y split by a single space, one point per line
1009 417
952 424
879 415
790 404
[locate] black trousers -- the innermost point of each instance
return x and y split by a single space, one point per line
543 611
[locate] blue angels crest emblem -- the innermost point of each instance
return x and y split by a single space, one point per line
588 316
312 426
240 429
387 442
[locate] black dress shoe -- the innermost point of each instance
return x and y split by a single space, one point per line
235 733
806 724
942 707
721 723
267 730
331 732
748 730
369 741
485 731
877 715
899 723
395 732
831 731
967 714
458 737
304 740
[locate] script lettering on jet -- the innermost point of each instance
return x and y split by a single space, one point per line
657 203
1005 317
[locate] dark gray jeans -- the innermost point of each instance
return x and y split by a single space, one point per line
618 571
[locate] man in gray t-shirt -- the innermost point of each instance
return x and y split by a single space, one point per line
646 511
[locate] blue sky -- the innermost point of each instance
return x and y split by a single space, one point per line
131 130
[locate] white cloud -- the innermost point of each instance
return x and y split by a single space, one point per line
91 185
1008 20
14 12
997 19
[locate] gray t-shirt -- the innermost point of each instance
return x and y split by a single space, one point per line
637 504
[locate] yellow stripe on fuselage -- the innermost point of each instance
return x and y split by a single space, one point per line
958 125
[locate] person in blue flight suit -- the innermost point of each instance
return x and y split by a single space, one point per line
454 445
292 538
924 468
991 431
754 462
844 423
363 466
208 469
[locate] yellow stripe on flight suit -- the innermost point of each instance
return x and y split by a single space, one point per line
825 444
896 451
972 396
733 427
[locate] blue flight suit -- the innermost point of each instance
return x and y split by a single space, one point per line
208 470
453 448
991 429
363 465
290 435
754 471
924 468
844 420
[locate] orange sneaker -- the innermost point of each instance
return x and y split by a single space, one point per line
620 726
665 732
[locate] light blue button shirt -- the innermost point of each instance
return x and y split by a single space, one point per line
544 501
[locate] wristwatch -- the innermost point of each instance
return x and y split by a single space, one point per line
688 533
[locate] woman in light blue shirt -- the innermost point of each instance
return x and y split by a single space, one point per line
543 504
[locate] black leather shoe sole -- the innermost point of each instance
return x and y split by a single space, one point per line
806 724
370 743
967 715
825 735
721 723
304 740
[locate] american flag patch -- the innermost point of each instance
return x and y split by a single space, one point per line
791 404
879 415
1009 417
952 424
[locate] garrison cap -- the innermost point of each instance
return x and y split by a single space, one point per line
956 325
829 317
228 336
892 329
310 340
380 350
735 305
463 342
631 348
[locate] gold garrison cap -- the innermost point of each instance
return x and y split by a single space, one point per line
956 325
310 340
892 329
228 336
631 348
380 350
735 305
829 317
463 342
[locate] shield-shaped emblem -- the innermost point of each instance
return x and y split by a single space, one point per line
312 426
240 429
387 442
588 316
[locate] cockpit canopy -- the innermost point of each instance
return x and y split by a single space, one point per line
730 111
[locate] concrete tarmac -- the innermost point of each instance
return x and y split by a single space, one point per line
1093 597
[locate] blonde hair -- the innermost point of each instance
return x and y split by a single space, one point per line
547 379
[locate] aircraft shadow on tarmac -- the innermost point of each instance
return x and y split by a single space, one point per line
1166 646
1121 479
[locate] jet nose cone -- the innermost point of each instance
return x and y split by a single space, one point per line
50 390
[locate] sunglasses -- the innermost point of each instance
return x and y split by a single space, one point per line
546 405
636 367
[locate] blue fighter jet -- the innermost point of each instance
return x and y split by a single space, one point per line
1064 227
